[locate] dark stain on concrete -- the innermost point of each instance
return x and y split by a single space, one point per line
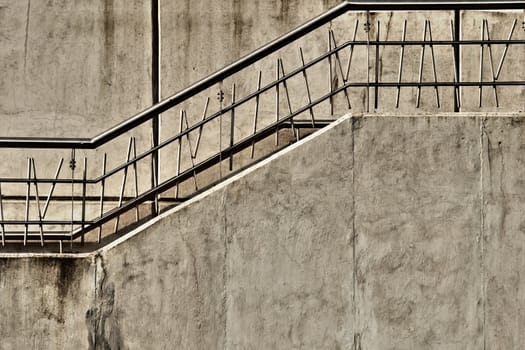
101 319
237 26
67 273
4 265
357 123
327 4
109 41
285 11
28 12
186 43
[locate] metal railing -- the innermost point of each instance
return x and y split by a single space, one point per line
243 124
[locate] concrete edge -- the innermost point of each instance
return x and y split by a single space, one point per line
442 115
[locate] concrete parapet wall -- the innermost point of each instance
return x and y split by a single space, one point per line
382 232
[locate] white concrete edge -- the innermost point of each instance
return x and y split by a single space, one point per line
198 197
518 114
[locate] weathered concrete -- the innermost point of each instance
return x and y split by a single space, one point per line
379 232
44 302
503 232
66 64
417 223
288 259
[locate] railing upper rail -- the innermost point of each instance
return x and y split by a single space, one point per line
273 46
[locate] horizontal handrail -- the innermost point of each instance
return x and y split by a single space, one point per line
273 46
382 5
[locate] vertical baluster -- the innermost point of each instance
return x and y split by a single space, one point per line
179 150
340 66
52 189
221 100
84 188
72 166
277 101
28 193
123 185
351 52
232 126
421 60
376 92
330 78
2 227
307 87
102 190
190 151
256 113
154 169
367 29
295 132
498 71
436 89
456 70
37 197
481 65
135 177
491 62
401 57
200 128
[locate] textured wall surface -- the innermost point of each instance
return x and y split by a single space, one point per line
44 302
68 63
383 232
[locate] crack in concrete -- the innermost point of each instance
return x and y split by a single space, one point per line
504 207
481 238
101 314
225 271
26 36
354 240
193 258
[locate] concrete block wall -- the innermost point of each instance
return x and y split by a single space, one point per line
379 232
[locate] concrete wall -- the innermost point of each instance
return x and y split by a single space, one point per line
380 232
68 63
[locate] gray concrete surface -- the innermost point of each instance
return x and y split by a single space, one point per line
66 64
417 223
503 232
400 232
385 233
44 302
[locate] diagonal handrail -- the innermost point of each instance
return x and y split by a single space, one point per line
271 47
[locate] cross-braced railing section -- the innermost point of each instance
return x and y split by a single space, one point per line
84 192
